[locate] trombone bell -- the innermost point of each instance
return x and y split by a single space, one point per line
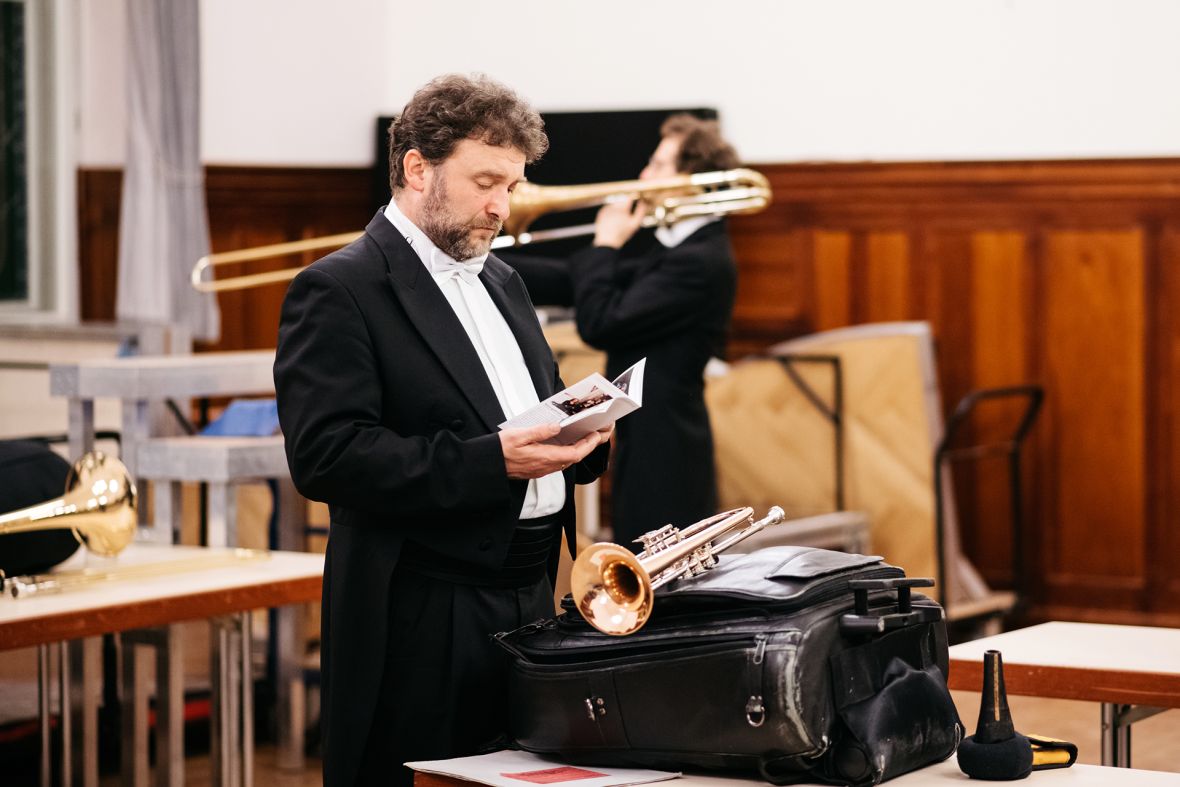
614 590
99 506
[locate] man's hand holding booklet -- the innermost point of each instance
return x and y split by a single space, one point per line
586 406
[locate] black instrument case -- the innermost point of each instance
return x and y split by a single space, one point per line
794 663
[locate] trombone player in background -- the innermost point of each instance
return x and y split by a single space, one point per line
397 358
666 295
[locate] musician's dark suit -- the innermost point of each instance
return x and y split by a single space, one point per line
389 418
673 306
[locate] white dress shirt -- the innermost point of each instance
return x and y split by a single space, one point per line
494 343
679 232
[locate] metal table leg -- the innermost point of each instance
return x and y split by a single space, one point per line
222 715
246 678
78 676
233 702
134 714
169 729
66 714
170 707
86 686
43 683
1117 719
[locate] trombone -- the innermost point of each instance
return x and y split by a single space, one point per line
99 505
731 191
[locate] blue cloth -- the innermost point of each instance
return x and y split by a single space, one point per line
246 418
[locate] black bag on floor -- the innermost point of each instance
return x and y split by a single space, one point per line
799 664
31 474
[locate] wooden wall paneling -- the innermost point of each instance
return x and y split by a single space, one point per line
831 265
244 323
999 289
940 293
770 291
1098 469
255 206
98 242
1094 372
886 282
1162 421
247 206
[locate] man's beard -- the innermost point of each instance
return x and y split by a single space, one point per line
453 236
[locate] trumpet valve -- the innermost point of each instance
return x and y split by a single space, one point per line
701 560
658 540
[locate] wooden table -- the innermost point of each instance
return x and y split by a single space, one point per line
1134 671
937 775
146 607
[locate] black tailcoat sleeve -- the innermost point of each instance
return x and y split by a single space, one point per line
389 418
672 306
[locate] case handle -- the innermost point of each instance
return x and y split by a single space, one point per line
861 621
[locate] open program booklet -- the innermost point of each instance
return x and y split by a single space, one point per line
585 406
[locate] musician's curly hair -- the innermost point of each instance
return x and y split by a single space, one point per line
702 148
454 107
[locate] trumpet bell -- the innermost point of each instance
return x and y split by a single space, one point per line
612 589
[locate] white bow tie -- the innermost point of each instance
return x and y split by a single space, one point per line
444 268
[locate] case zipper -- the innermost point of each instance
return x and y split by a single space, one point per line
755 707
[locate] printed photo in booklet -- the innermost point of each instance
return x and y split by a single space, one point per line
588 405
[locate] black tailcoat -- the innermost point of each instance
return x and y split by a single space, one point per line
390 419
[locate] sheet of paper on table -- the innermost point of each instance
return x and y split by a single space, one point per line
518 769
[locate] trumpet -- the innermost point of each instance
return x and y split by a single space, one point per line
99 506
614 590
731 191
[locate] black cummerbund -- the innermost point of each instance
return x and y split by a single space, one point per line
527 560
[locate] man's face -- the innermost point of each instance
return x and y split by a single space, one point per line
467 197
662 163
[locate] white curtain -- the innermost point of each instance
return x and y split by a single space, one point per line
163 228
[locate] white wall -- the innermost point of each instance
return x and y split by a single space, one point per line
301 81
102 95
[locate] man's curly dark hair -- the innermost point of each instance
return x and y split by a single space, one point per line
454 107
702 148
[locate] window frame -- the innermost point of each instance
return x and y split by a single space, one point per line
51 165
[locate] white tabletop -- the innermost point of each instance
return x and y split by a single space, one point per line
1083 645
943 773
1083 661
187 587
